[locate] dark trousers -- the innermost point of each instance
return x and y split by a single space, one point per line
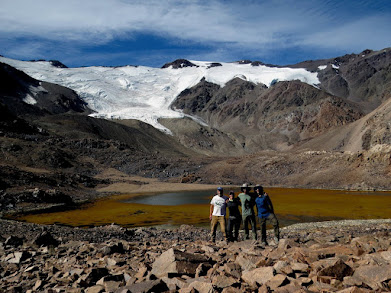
233 224
250 220
273 220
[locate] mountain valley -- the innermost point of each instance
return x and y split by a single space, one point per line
287 133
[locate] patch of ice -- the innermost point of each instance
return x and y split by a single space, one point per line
28 99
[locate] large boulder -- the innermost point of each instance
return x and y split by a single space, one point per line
373 275
95 275
46 239
199 286
259 276
221 281
174 262
246 262
233 269
333 267
144 287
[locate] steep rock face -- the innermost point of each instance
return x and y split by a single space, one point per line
367 133
287 112
26 95
364 78
377 127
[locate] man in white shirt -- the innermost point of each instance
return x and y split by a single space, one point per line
218 206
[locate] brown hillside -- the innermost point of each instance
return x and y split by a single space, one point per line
269 118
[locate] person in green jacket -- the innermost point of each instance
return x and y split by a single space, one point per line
248 216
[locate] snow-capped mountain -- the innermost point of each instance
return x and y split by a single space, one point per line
146 93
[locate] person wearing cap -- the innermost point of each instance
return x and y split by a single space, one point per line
266 213
218 206
248 216
234 217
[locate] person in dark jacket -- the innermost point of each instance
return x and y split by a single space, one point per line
234 218
266 213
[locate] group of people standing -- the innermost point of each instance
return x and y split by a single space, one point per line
246 201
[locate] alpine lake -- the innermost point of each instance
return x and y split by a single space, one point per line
166 210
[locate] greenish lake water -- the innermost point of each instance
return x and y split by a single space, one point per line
192 207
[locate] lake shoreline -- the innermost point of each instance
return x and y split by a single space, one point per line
292 205
122 186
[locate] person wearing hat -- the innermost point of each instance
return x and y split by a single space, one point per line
248 215
266 213
218 207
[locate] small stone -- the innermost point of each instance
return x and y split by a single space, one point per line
147 286
233 269
18 257
95 289
305 281
222 281
38 285
201 287
299 267
202 269
245 263
277 281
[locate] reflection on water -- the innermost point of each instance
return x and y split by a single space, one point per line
174 198
176 208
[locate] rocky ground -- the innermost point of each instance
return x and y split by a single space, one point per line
346 256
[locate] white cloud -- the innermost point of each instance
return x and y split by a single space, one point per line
370 32
233 25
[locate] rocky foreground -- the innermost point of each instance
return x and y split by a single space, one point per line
344 256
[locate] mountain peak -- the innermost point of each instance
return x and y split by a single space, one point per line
57 64
179 63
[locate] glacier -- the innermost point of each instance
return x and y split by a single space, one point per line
146 93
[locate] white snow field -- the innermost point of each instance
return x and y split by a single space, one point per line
146 93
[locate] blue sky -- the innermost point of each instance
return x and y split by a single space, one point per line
151 33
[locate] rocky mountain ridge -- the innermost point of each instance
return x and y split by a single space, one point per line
285 113
25 95
288 114
363 78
